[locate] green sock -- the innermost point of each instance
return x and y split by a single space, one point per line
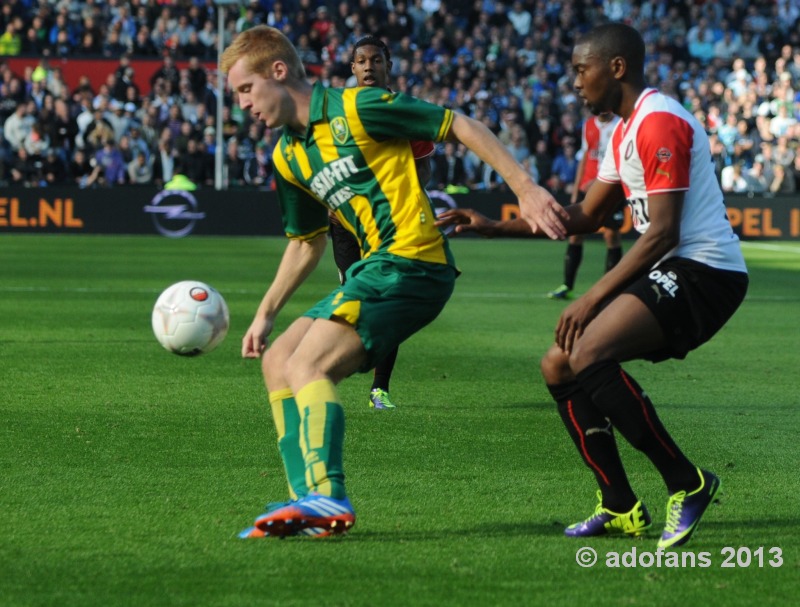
287 423
322 438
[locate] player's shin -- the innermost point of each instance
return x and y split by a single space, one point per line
617 395
287 423
322 438
594 438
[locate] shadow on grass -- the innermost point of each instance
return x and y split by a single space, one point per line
498 530
724 533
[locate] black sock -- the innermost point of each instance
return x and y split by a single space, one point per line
617 395
383 371
594 437
572 261
612 257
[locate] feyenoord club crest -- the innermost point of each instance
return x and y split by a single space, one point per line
340 130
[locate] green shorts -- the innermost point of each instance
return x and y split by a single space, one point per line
387 299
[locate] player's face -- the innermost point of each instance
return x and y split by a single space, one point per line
594 80
370 66
264 96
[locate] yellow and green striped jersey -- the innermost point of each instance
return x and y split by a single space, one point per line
355 159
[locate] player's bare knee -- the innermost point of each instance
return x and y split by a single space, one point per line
582 355
273 364
554 366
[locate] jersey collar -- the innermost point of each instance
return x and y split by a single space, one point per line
316 112
645 93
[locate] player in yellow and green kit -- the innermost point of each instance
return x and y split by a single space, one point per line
346 151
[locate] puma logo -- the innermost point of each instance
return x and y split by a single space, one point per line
606 430
664 173
659 294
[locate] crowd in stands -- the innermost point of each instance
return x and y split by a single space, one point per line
734 63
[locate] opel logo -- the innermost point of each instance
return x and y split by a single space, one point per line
174 213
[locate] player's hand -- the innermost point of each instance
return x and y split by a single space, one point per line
465 220
573 323
255 341
543 213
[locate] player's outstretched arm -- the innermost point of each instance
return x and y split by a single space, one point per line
582 218
299 259
469 220
538 207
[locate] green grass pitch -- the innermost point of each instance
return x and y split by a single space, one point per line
127 471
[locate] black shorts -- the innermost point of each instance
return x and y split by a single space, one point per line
616 219
691 302
346 251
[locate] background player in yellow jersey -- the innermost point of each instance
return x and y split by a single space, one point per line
371 62
347 151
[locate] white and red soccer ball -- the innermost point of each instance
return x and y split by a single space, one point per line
190 318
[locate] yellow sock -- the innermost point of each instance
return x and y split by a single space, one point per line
287 424
322 437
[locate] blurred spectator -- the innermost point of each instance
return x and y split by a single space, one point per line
233 173
782 181
168 72
757 181
746 142
186 35
543 161
10 41
195 164
139 170
783 121
258 168
56 85
565 166
83 171
61 129
733 179
308 54
63 32
90 46
701 41
246 20
783 154
448 168
277 18
210 140
197 77
520 19
727 47
98 131
124 146
748 45
123 25
249 140
208 38
112 165
33 43
36 143
174 121
53 169
164 163
22 171
17 126
142 45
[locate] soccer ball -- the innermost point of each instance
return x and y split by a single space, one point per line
190 318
